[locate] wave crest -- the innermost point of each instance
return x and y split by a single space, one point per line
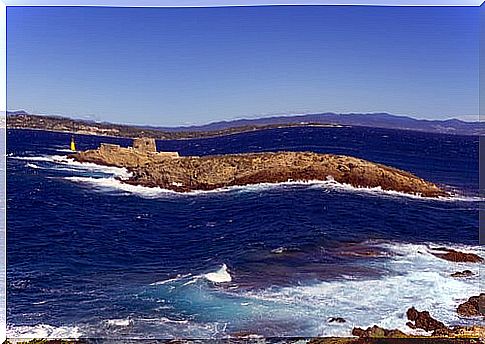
54 161
330 184
220 276
43 331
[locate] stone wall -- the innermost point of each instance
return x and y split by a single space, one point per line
109 148
144 144
141 148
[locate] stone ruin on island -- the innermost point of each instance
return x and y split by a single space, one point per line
141 146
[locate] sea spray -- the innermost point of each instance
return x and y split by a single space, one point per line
62 160
156 192
220 276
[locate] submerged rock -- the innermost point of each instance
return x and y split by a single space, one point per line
337 320
170 171
464 273
456 256
363 250
475 306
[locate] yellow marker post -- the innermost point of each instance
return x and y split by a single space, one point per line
73 144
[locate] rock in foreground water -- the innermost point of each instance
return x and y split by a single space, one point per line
475 306
437 332
456 256
462 274
423 320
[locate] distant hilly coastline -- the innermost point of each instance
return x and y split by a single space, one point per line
24 120
375 120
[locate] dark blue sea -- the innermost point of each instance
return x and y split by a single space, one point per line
89 256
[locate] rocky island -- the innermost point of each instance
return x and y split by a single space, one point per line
170 171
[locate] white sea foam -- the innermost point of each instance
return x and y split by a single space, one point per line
34 166
163 320
427 249
40 302
155 192
119 322
113 184
64 150
411 277
330 184
171 279
279 250
75 166
48 158
43 331
220 276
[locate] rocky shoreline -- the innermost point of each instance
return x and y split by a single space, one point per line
426 328
167 170
170 171
422 320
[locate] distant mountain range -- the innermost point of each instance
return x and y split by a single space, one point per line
21 119
376 120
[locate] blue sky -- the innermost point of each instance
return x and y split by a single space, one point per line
177 66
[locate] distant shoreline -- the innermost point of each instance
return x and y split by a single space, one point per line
258 128
70 126
23 120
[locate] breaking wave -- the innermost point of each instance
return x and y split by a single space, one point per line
34 166
221 275
290 267
179 277
43 331
114 184
63 163
411 277
119 322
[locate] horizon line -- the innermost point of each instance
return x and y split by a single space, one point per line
461 118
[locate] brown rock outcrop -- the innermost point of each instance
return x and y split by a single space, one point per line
475 306
423 320
377 332
456 256
184 174
460 274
